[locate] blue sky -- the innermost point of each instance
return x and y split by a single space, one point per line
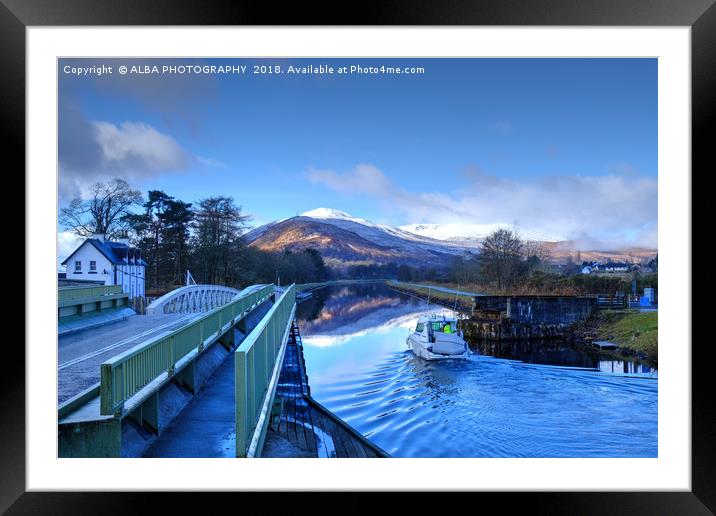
565 146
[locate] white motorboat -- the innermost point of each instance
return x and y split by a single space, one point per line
436 337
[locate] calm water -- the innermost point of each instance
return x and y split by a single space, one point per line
519 400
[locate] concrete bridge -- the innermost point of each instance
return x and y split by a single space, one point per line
227 345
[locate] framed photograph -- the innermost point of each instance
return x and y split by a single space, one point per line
416 253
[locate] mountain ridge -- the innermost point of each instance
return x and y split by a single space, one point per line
343 239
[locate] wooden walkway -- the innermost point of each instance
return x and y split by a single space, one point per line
305 428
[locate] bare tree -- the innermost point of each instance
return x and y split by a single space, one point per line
500 255
536 255
103 211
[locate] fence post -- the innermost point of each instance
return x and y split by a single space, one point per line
106 391
241 394
172 361
251 382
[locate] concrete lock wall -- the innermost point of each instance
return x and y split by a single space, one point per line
539 309
550 310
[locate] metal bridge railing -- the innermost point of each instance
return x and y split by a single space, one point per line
192 298
126 374
255 361
65 294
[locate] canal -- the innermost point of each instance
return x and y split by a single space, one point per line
516 400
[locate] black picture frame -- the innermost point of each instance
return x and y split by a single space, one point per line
700 15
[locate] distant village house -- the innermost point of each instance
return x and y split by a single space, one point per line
594 267
112 262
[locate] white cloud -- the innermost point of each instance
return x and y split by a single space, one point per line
606 211
95 151
92 152
138 146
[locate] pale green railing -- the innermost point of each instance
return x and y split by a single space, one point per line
73 293
126 374
255 360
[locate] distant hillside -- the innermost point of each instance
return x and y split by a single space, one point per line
346 240
562 251
473 234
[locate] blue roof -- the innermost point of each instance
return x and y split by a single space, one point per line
115 252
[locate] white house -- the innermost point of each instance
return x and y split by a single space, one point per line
590 267
115 263
617 267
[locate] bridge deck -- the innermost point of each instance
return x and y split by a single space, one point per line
206 427
80 354
305 428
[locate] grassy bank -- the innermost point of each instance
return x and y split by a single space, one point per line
636 332
541 283
437 296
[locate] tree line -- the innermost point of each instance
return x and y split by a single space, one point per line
206 238
505 263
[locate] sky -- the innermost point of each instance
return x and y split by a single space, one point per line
567 147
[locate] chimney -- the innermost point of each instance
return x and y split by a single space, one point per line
99 236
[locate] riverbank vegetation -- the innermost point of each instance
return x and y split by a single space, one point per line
634 332
438 296
508 265
552 283
518 269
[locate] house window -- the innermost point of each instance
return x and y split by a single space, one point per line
93 267
78 266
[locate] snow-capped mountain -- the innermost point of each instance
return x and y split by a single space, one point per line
379 233
473 234
343 239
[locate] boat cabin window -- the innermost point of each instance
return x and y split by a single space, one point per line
437 326
419 328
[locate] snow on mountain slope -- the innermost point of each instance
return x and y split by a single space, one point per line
474 232
443 232
381 234
332 214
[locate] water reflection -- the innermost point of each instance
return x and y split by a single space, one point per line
557 352
512 400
